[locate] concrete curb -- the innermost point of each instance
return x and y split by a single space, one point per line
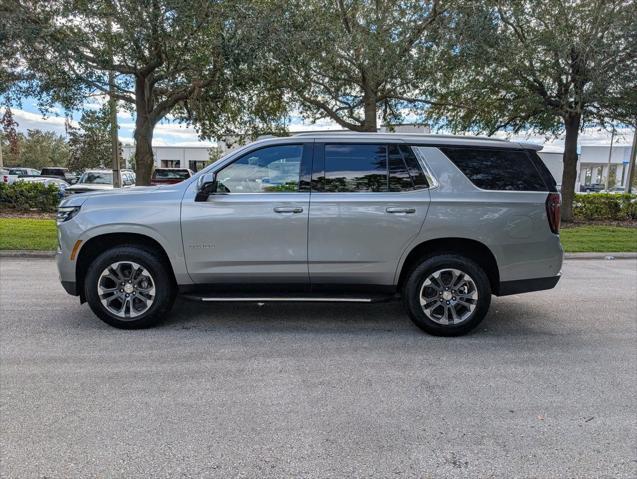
19 253
608 256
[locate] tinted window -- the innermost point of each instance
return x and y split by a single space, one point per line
495 169
267 170
355 168
97 178
417 175
399 177
171 174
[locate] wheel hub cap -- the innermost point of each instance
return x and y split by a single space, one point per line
126 289
448 296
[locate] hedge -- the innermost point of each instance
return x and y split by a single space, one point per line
605 206
22 196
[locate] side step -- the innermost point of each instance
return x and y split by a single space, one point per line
290 298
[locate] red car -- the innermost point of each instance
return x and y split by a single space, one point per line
170 176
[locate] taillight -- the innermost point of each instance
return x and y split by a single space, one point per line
553 207
5 179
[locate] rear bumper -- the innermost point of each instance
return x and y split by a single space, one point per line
527 285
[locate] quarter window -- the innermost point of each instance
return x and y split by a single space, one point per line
274 169
497 169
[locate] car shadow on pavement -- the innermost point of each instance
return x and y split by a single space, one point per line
506 318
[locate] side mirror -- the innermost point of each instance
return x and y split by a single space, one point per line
206 185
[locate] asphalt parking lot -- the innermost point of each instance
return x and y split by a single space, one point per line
544 388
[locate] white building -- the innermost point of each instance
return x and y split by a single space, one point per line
193 157
593 166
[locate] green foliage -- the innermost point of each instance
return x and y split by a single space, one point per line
347 60
36 149
90 144
22 196
533 63
183 57
605 206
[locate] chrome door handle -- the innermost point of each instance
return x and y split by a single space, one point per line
400 210
288 209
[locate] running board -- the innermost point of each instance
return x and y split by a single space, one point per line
299 299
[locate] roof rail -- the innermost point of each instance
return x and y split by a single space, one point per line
379 133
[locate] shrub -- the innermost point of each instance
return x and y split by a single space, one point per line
605 206
23 196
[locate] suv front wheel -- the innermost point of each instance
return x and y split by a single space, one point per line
129 287
447 295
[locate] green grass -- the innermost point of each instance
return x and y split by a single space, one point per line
27 233
600 239
40 234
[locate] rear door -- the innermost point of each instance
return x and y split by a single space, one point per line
369 200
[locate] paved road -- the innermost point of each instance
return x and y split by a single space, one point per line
545 388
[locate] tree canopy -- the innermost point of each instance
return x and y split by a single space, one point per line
180 57
354 60
550 66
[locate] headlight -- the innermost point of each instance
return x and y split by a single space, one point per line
65 213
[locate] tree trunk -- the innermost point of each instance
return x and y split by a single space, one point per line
569 175
144 126
144 161
370 122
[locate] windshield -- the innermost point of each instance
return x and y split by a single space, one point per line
97 178
171 174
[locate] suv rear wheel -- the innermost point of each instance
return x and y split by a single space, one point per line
129 288
447 295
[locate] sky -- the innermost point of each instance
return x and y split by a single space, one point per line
171 133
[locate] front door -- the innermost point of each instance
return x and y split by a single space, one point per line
254 229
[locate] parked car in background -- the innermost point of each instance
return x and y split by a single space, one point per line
59 172
170 176
592 188
60 184
442 222
97 180
14 173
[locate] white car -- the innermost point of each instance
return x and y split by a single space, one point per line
97 180
13 174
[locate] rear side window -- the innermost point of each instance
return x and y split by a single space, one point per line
371 168
497 169
355 168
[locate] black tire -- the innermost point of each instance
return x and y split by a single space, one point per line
161 276
414 283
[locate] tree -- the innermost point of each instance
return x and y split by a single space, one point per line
38 149
348 60
169 56
10 136
90 143
550 66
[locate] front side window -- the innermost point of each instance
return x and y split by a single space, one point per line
275 169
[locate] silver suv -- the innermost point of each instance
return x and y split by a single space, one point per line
441 222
